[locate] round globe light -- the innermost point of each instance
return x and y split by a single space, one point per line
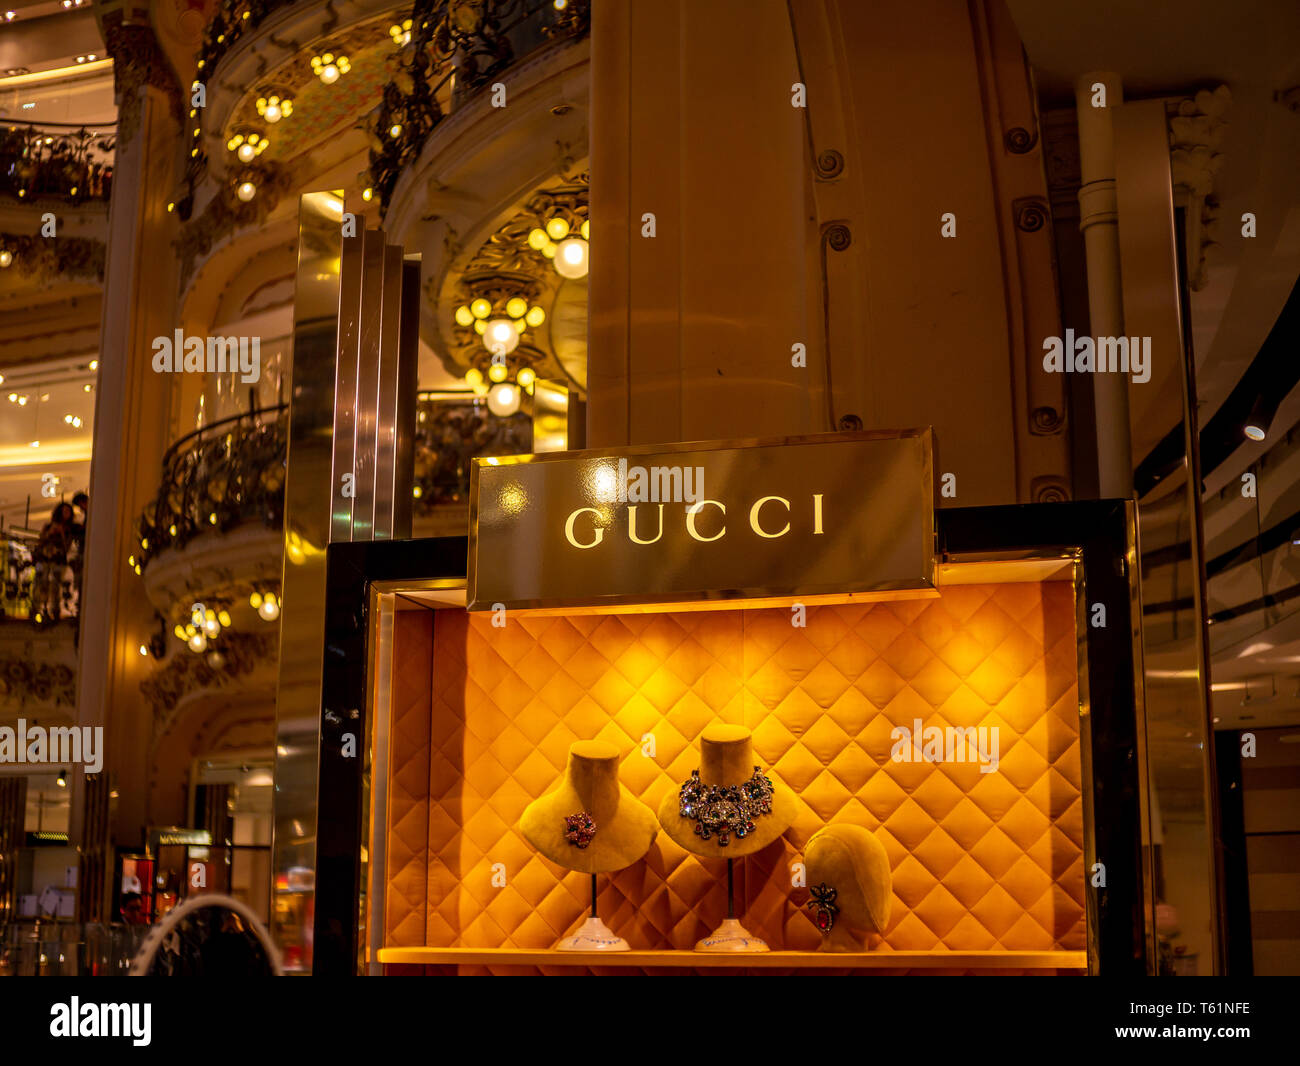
246 190
571 258
503 400
246 153
198 643
329 74
500 336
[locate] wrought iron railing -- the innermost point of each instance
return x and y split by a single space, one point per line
232 472
73 163
450 431
230 21
218 477
457 48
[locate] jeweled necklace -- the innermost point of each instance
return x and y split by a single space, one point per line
725 810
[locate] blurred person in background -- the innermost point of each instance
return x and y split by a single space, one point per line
51 558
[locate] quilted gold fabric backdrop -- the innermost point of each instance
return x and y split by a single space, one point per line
980 861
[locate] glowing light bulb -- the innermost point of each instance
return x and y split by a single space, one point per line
500 336
198 643
571 258
526 377
246 153
246 191
503 400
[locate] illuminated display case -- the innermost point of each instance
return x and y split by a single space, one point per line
1030 861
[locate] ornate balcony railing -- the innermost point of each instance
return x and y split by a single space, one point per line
216 478
457 47
449 432
73 163
232 472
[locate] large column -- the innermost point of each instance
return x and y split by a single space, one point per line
692 122
1098 221
889 215
131 419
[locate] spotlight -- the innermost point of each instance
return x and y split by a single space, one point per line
1260 418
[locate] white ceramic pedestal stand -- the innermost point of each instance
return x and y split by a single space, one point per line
593 934
731 936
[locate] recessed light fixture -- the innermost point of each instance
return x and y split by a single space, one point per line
1260 418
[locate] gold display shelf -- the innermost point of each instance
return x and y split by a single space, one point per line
767 960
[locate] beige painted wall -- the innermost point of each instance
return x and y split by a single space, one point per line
691 330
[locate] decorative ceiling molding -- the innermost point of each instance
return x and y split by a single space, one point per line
137 61
1196 131
49 259
187 676
506 266
225 213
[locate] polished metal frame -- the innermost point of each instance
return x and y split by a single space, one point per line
1097 539
349 473
723 597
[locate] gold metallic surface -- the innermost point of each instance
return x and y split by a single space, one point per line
777 960
349 468
307 517
795 524
550 417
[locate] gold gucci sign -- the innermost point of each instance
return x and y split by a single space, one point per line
810 516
